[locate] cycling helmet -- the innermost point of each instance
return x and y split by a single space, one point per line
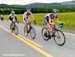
13 12
28 9
55 11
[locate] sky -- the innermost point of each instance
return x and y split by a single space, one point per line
24 2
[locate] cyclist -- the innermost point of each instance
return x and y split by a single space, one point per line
1 17
49 21
26 19
12 17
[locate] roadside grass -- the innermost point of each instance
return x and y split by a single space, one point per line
67 18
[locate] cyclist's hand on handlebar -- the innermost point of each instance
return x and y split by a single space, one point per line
17 22
34 21
61 24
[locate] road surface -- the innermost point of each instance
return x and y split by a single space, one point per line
12 45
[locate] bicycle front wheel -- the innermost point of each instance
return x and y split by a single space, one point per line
32 33
16 30
59 38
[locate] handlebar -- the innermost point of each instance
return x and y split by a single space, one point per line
61 25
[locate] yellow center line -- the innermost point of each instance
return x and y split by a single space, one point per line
20 37
32 42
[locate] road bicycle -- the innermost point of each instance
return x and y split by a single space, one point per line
30 31
14 27
56 34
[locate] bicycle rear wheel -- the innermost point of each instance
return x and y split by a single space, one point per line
32 33
16 30
59 38
43 32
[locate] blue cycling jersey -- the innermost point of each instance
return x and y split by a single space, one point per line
26 15
51 15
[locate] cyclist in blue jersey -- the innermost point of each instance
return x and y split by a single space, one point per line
26 19
49 20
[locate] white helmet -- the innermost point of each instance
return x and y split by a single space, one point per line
13 12
55 10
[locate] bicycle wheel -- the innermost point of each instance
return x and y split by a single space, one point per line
32 33
12 28
59 38
43 32
24 30
16 30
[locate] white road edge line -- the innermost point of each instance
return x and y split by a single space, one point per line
64 32
69 33
12 55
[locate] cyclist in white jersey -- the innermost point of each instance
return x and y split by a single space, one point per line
12 17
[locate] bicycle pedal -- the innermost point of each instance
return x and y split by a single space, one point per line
46 39
53 35
13 28
28 31
26 34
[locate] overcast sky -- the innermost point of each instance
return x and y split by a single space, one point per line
24 2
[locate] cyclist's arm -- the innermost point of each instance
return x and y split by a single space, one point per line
16 19
9 17
34 21
24 15
32 16
57 19
50 20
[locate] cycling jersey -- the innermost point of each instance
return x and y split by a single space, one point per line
51 15
25 16
11 17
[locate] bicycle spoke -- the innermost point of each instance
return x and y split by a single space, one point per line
60 38
32 33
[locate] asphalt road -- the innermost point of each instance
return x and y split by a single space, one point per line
12 45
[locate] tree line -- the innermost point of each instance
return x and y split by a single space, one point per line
36 10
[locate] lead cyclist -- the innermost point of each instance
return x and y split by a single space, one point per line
49 21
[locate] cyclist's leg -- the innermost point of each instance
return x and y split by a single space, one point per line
47 24
26 23
48 27
53 29
47 32
10 24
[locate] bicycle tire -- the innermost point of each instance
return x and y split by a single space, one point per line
24 30
32 33
12 27
45 38
16 30
58 38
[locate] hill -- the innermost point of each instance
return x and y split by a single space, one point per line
41 5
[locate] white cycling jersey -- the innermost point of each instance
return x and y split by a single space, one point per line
12 15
